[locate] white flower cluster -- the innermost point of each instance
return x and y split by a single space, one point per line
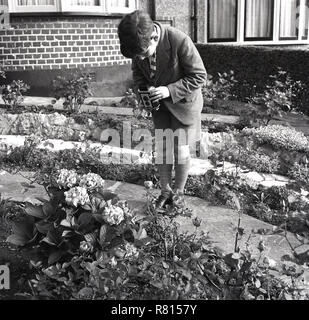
85 247
91 181
280 137
77 196
67 178
131 251
113 214
125 208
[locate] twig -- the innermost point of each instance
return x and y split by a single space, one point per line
207 277
32 289
237 233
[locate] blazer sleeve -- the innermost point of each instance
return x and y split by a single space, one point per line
138 77
193 68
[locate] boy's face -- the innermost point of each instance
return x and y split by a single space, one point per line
151 48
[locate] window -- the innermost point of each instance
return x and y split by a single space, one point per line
289 19
33 5
305 22
222 20
92 6
259 19
83 5
123 6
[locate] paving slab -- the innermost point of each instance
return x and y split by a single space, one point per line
218 222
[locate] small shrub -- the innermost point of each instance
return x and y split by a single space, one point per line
300 173
278 95
280 137
12 94
220 88
260 162
74 90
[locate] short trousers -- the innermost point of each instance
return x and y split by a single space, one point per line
191 134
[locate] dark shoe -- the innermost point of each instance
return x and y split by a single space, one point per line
162 201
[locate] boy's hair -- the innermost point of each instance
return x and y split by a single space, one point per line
134 32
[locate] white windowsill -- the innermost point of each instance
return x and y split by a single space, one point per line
257 43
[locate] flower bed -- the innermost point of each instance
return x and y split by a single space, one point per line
218 188
89 245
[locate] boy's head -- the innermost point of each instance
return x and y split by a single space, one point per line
135 34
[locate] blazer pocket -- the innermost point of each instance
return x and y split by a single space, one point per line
190 98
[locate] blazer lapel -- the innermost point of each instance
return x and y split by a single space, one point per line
163 55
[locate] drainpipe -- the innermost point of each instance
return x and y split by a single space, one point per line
153 10
194 20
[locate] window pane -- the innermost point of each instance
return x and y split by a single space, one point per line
222 19
35 2
120 3
289 12
259 18
84 2
306 21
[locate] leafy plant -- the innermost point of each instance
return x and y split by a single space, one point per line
220 88
275 100
73 90
300 172
12 94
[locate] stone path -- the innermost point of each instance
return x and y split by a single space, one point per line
219 222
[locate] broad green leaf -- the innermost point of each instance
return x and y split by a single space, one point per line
17 240
35 211
24 228
55 257
84 219
43 226
103 232
48 209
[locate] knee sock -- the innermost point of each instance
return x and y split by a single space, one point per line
182 167
165 172
181 176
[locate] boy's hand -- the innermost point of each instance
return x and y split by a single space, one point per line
159 93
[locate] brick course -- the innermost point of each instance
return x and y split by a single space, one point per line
37 43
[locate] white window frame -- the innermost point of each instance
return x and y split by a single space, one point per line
14 7
276 25
133 4
64 6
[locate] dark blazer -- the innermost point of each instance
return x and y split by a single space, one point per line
180 68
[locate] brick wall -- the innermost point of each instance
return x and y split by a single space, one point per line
52 43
